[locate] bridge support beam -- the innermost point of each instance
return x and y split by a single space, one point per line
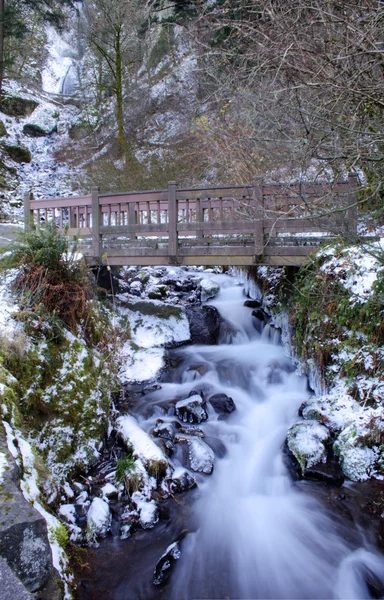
96 222
172 222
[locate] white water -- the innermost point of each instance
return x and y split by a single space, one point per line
258 536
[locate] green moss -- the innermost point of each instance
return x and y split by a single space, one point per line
60 535
162 311
19 154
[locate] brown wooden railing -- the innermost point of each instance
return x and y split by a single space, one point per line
232 224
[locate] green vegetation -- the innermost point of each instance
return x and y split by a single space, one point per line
49 280
328 321
150 309
58 369
127 474
60 535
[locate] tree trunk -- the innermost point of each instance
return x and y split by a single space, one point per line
119 92
1 45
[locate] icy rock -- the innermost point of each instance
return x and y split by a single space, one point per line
357 462
98 519
167 431
142 445
181 481
191 409
209 289
165 564
306 442
201 456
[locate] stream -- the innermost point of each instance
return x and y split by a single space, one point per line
247 531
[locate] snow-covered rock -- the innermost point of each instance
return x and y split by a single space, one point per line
201 456
209 289
147 509
43 121
142 445
191 409
98 520
306 442
181 481
357 461
109 490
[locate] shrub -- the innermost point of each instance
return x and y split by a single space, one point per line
49 277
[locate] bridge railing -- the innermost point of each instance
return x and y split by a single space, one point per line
168 222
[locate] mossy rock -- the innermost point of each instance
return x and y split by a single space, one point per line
3 130
35 130
79 131
19 154
14 106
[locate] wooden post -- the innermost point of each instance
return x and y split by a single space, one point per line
259 221
172 222
199 218
96 221
352 198
28 213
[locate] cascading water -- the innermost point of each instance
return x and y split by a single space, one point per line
254 534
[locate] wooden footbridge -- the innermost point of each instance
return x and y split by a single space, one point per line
237 225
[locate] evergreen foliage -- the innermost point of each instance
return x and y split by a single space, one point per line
49 277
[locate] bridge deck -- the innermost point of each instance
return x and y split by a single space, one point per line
232 225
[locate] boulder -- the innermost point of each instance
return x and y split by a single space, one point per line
3 130
11 588
191 410
24 541
222 403
204 324
209 289
14 106
19 154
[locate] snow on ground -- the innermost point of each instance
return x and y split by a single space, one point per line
140 365
356 269
3 466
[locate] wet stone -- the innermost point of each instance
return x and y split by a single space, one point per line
252 304
165 564
222 403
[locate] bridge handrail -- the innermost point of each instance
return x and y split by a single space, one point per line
201 212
